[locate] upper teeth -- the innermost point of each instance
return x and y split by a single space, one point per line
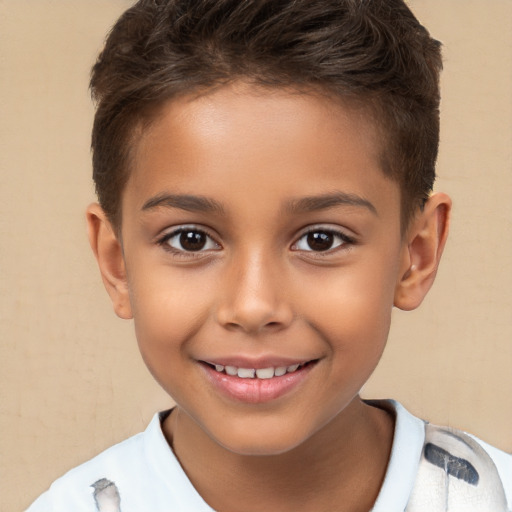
260 373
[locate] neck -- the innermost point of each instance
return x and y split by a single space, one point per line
345 462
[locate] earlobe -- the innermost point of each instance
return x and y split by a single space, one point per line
109 254
425 241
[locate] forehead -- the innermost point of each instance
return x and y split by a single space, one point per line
258 140
211 112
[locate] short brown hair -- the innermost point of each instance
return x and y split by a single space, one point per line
375 51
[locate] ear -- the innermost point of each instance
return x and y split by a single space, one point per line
423 247
109 255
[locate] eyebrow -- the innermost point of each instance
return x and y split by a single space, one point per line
325 201
184 202
203 204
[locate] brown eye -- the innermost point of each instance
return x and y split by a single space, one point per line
320 241
192 240
189 240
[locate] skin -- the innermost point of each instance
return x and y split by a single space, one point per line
259 291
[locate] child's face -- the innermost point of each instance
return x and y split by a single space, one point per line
259 232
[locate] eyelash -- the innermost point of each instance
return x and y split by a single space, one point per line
165 239
343 240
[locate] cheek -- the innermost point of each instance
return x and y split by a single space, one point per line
355 322
168 307
353 309
164 323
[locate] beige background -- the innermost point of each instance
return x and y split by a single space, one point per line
72 381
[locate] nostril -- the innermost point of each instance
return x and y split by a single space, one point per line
246 327
233 326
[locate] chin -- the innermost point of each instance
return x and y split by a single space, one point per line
263 440
255 447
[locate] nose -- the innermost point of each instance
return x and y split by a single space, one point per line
256 298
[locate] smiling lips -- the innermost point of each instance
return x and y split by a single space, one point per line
259 373
256 385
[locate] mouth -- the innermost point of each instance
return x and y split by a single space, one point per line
257 385
257 373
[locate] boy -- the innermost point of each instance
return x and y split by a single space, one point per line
264 170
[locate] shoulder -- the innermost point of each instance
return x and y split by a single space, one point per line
503 462
432 466
141 473
79 487
460 470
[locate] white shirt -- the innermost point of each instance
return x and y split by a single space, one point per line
142 474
